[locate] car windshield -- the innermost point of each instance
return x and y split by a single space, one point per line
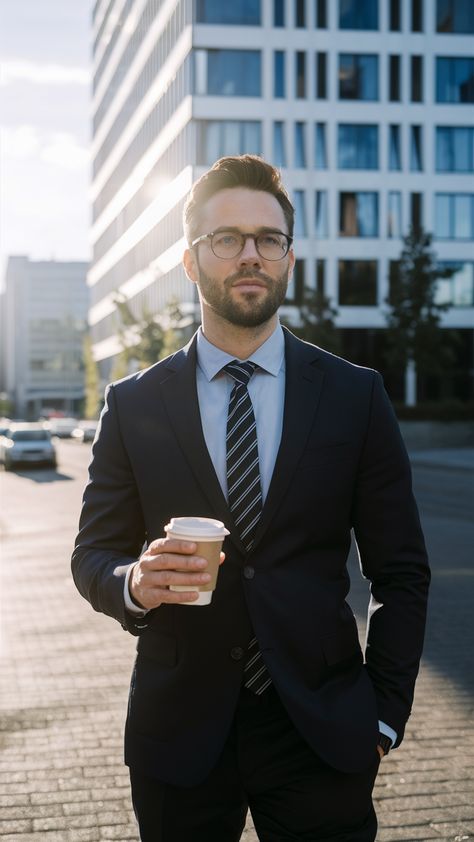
30 435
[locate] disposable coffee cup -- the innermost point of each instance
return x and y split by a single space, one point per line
209 535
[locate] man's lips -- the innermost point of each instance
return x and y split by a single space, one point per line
250 283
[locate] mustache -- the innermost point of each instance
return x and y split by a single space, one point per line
246 274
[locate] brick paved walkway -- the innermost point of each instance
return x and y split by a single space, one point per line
64 680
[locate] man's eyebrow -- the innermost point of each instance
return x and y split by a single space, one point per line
264 229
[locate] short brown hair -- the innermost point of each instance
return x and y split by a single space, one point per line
235 171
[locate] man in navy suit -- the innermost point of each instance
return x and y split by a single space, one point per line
302 748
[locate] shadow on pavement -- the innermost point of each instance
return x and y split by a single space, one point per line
43 475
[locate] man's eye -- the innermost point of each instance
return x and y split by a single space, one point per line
270 240
225 239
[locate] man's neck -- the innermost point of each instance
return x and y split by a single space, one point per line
239 342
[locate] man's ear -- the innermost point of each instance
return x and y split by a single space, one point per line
191 265
291 264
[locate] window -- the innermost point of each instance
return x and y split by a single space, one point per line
279 151
300 145
228 72
416 148
278 12
358 76
245 12
458 290
395 21
417 15
357 147
299 281
417 78
321 214
227 137
300 17
321 75
455 79
416 211
394 214
320 156
321 14
455 16
454 149
357 283
358 14
358 215
300 59
394 148
279 74
394 79
299 202
454 216
320 275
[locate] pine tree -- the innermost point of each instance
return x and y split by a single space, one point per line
145 339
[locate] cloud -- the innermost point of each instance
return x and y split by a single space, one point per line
42 74
61 149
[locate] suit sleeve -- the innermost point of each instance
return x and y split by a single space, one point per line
393 557
111 528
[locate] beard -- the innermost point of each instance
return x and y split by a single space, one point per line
253 310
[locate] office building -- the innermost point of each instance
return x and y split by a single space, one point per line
365 105
45 320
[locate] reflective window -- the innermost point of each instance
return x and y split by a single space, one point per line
454 216
320 156
417 78
357 147
233 72
395 22
227 137
357 283
279 148
416 148
321 214
455 79
455 16
278 12
321 275
454 149
358 214
358 76
299 202
245 12
321 75
416 210
279 74
300 145
394 214
458 290
300 13
321 14
394 148
358 14
394 88
417 15
300 74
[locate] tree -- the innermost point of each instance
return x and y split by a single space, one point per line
91 377
416 343
145 339
316 321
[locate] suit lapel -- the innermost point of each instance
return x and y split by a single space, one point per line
303 384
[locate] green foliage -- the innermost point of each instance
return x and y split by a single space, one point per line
6 406
413 320
144 339
91 375
316 321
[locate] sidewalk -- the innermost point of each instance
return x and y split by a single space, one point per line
460 459
64 674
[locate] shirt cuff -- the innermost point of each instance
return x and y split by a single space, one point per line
129 604
389 732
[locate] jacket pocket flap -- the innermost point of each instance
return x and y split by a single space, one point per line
158 647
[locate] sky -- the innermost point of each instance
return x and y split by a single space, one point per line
45 129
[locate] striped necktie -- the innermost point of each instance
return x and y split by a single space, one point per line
244 490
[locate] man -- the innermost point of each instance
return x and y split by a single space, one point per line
260 700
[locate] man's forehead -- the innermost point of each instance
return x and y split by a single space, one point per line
239 206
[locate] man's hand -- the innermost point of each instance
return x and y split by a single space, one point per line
166 562
381 751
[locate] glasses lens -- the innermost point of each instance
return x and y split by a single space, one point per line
271 245
227 243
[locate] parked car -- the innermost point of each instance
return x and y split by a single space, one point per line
85 430
61 427
27 444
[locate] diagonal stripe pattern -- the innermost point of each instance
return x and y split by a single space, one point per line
244 490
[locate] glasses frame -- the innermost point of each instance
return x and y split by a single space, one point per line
209 236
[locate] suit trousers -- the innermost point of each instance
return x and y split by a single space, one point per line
266 767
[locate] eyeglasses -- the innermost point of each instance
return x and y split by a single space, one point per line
229 242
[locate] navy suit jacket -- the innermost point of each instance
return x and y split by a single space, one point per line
341 465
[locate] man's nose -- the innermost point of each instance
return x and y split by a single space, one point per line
249 253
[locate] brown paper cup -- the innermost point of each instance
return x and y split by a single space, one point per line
209 535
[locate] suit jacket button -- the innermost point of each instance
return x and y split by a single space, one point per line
249 571
236 653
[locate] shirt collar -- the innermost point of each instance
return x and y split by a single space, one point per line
270 356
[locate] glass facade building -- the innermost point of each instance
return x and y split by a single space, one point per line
365 105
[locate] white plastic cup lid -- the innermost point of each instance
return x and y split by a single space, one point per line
196 528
